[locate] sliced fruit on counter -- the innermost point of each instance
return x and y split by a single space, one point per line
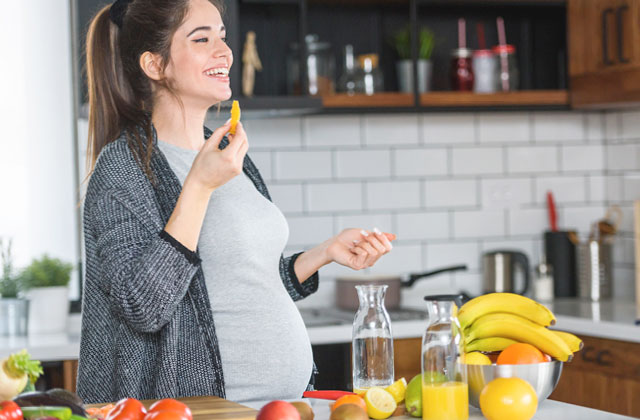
505 303
520 329
489 345
349 399
398 389
380 403
304 409
61 413
476 358
520 354
54 398
278 410
508 399
574 343
18 373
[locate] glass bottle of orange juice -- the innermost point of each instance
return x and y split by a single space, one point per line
445 393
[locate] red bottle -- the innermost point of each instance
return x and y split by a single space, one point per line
461 70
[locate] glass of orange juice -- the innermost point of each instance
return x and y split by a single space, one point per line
445 392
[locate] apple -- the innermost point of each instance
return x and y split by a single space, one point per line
278 410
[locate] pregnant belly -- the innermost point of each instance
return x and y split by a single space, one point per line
265 350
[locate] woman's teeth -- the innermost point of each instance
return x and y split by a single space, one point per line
219 72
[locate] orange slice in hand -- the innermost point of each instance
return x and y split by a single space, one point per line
235 116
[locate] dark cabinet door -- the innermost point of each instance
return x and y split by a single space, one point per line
604 52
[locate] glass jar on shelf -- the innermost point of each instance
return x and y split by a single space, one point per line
507 71
372 351
369 79
347 81
461 70
445 392
320 68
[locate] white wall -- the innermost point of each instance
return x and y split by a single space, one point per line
451 185
36 150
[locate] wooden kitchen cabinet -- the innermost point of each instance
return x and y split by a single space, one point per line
605 375
604 52
407 355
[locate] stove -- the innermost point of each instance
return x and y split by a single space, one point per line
323 317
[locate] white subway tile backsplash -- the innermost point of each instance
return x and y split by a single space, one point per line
595 127
448 128
581 218
583 158
565 189
391 129
366 221
363 164
451 193
332 130
504 128
477 161
623 287
614 188
272 133
530 247
288 198
309 230
442 255
334 197
532 159
623 250
422 225
470 283
438 285
262 160
612 125
403 259
528 221
505 192
597 187
558 126
478 224
631 186
622 157
630 123
392 195
420 162
303 165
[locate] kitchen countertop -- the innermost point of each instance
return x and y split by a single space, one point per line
605 319
548 410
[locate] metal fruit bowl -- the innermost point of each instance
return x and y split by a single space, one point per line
543 377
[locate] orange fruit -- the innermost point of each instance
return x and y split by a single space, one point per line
520 354
350 399
508 399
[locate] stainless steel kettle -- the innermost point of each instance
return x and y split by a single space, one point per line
499 271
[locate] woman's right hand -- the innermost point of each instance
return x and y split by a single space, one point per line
213 167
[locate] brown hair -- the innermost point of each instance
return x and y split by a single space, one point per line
120 93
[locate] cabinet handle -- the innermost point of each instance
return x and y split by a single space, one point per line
586 355
620 27
600 358
605 36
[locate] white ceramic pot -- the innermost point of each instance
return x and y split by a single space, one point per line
48 309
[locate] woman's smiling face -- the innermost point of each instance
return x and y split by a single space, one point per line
200 57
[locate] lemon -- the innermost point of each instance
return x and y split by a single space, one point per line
397 389
508 399
380 403
476 358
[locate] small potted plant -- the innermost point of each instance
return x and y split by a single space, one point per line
404 67
13 309
47 283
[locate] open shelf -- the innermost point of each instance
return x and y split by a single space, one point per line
525 98
379 100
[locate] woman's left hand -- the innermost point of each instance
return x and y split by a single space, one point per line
358 248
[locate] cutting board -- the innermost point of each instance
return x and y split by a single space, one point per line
210 408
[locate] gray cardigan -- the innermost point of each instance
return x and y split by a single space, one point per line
147 325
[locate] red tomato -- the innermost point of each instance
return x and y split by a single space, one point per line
169 404
167 415
127 409
10 411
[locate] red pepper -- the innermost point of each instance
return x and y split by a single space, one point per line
10 411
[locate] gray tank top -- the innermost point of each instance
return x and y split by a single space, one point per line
264 345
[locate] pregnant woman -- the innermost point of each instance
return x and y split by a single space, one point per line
186 289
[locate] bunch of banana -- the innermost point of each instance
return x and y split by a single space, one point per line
493 322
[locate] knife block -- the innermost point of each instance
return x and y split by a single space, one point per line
561 255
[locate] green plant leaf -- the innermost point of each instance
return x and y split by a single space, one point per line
402 43
46 272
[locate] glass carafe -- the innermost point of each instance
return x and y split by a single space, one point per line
372 352
445 393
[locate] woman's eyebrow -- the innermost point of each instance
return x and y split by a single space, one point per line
205 28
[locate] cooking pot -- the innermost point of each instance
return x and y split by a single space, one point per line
347 297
